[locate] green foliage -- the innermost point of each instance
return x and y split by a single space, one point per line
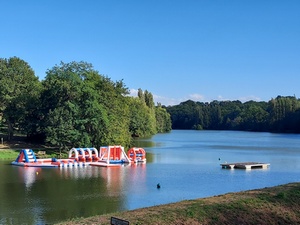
103 115
75 106
96 110
8 154
61 127
142 120
19 93
149 99
163 120
280 115
284 114
146 119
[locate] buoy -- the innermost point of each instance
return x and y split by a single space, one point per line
158 186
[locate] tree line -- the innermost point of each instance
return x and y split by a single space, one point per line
74 106
280 114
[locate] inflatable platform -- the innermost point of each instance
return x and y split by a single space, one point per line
108 156
27 158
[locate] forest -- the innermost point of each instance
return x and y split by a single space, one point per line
77 106
74 105
281 114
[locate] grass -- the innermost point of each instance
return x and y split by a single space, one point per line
10 149
274 205
11 154
7 154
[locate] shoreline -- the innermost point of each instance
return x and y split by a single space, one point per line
270 205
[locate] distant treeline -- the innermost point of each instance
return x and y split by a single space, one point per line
74 106
281 114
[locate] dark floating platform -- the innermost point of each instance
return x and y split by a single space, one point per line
245 165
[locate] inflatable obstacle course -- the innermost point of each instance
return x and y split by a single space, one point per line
27 158
106 156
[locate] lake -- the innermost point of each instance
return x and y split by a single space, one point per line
185 163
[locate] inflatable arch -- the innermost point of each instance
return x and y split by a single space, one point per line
83 154
137 155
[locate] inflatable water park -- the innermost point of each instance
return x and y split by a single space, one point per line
106 156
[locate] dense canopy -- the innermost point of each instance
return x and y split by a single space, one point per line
74 106
281 114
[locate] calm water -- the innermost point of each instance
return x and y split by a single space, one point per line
185 163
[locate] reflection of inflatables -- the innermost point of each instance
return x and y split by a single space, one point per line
137 155
29 175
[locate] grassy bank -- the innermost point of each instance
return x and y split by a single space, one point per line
10 150
12 154
8 154
275 205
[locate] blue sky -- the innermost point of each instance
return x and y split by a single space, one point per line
201 50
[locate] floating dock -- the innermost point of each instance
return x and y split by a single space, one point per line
245 165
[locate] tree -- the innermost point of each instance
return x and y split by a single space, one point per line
142 122
279 109
149 99
141 95
61 127
92 107
186 115
163 120
19 91
254 116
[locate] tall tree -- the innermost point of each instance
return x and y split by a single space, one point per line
141 120
141 95
96 112
149 99
61 127
19 91
163 120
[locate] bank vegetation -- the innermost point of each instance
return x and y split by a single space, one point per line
74 106
280 114
272 205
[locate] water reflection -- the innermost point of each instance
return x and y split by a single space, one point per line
40 195
28 175
146 143
113 177
185 163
